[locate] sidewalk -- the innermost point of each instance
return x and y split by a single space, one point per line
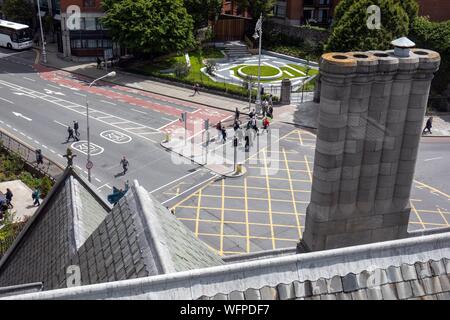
89 69
441 125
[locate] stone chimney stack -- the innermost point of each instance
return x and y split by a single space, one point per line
372 106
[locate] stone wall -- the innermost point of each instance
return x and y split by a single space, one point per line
372 106
296 32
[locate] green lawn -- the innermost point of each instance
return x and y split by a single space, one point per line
266 71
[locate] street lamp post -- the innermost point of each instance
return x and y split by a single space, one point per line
258 34
89 165
44 53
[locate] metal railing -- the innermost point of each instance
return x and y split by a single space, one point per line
27 153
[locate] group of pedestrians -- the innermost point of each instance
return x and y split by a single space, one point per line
248 132
74 134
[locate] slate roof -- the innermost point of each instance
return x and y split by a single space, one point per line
74 227
44 246
413 268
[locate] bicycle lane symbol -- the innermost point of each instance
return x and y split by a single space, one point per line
82 146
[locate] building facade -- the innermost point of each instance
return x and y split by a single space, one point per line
83 35
320 12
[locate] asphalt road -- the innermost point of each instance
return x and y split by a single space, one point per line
39 111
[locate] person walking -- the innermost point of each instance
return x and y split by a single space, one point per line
219 130
236 114
266 124
124 163
236 125
196 89
224 134
238 134
36 195
8 197
265 106
270 100
247 140
428 126
254 126
252 114
39 158
75 128
70 131
270 112
99 63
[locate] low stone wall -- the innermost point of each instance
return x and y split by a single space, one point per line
297 32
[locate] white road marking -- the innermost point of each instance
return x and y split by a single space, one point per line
44 146
64 103
37 142
167 184
15 129
288 73
167 119
78 167
22 133
6 100
438 158
139 111
18 114
186 191
108 102
61 124
29 79
105 185
8 125
98 180
54 87
116 136
79 94
82 146
52 151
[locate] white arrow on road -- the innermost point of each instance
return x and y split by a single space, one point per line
47 91
24 94
17 114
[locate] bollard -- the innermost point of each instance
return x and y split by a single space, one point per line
238 169
167 138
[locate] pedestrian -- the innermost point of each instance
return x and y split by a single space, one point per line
9 196
236 114
196 89
236 125
266 124
252 113
254 126
75 128
99 63
124 163
265 106
39 158
428 126
270 100
224 134
239 134
219 130
270 112
70 131
36 195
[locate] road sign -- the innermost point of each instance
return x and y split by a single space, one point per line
89 165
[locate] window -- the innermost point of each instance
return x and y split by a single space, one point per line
90 24
324 2
323 15
98 24
307 15
89 3
280 9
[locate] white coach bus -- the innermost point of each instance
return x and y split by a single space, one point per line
15 35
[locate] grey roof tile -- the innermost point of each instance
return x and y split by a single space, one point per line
302 289
252 294
388 291
443 296
447 265
429 297
220 296
334 284
445 282
394 274
374 293
349 283
236 295
319 286
359 295
404 290
378 277
328 297
268 293
344 296
423 270
286 291
437 268
432 285
417 287
408 272
362 279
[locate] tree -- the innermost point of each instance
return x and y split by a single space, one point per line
434 36
350 32
203 10
149 26
18 11
256 7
